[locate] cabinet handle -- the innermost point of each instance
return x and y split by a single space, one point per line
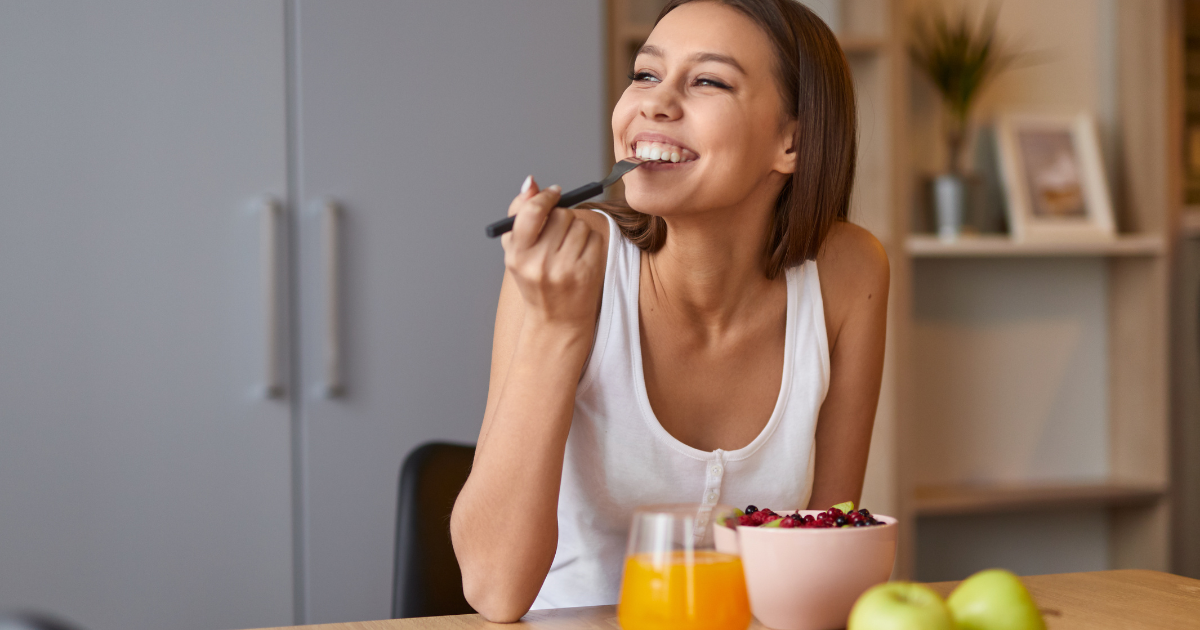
271 214
333 386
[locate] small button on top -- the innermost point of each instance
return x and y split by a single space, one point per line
716 470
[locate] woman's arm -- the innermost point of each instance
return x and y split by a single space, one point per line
854 287
505 522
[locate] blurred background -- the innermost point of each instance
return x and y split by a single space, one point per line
243 273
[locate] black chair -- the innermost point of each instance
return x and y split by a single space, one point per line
33 621
427 580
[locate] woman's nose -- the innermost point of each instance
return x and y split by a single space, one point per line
661 104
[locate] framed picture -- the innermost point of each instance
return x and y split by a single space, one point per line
1054 178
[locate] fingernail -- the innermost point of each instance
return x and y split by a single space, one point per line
555 188
527 183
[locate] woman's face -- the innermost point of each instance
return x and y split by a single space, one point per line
703 88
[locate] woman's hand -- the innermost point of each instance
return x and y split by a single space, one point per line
556 260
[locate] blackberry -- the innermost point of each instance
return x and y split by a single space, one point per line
750 509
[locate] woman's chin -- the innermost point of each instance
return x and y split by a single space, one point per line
655 203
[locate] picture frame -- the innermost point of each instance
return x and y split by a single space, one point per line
1054 177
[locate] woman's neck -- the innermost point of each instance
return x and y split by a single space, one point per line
712 267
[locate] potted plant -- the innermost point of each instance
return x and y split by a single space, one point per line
960 61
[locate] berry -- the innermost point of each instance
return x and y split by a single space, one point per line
808 518
864 512
861 523
834 512
750 509
745 519
788 523
771 517
841 520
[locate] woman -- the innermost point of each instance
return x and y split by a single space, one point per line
682 348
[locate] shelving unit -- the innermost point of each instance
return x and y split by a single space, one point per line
1001 498
999 245
1036 373
1019 377
1189 222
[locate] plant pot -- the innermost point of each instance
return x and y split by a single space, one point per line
949 204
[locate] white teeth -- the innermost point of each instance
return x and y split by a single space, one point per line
662 152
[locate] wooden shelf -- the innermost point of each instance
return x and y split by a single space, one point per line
852 44
1189 223
995 498
857 45
991 246
639 32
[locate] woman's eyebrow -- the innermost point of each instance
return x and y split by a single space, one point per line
655 51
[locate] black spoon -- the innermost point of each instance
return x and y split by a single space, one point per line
579 195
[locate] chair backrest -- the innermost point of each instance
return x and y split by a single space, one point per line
33 621
427 579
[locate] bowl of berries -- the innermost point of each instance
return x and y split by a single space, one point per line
805 568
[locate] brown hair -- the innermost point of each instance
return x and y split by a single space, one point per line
818 92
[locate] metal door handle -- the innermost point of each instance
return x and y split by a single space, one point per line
331 216
271 214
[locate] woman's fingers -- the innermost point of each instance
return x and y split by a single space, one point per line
529 188
531 216
574 240
593 252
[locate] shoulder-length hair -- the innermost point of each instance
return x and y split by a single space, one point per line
818 93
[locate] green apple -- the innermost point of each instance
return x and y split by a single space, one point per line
900 606
994 600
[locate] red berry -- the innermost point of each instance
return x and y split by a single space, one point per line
745 519
772 517
787 523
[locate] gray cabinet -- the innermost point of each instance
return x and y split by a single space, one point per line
420 119
145 480
144 483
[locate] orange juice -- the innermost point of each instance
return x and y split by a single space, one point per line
663 591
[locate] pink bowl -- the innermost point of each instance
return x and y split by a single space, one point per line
809 579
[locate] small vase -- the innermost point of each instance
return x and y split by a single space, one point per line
949 202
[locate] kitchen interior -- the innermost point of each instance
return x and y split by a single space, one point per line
244 276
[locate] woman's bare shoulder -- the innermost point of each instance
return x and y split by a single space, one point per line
854 272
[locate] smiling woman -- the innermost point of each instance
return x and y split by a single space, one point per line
681 346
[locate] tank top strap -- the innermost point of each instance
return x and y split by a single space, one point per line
623 259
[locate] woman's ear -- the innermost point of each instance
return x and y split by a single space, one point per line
785 159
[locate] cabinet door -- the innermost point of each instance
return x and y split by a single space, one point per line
144 484
420 119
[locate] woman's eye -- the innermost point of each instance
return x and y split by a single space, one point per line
713 82
642 76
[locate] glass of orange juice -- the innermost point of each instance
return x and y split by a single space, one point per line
674 576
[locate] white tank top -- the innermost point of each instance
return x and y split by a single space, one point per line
619 457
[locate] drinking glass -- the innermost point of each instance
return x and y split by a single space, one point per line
675 578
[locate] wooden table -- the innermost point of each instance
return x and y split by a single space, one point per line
1099 600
